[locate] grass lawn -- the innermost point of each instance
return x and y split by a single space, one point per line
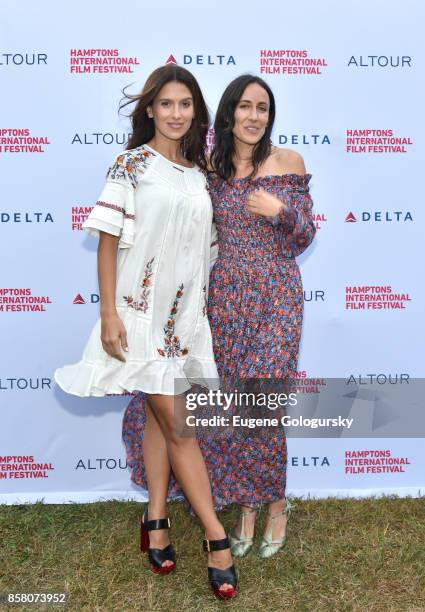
341 555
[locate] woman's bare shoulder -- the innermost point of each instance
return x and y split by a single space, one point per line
288 161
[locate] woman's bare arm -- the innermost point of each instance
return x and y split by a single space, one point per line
113 333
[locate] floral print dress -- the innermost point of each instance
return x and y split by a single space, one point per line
255 309
162 213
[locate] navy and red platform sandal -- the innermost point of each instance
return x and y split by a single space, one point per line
157 556
217 577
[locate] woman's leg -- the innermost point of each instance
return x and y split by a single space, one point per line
189 469
279 523
249 515
157 467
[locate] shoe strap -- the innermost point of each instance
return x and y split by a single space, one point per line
280 542
247 512
162 523
243 537
213 545
242 540
286 510
218 577
157 556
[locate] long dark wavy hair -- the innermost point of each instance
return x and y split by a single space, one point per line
193 145
221 160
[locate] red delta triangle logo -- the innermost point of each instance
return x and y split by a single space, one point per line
171 60
350 218
79 299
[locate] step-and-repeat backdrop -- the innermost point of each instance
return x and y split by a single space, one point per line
348 80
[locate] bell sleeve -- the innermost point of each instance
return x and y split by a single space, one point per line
295 220
114 211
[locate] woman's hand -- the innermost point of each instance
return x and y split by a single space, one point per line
113 335
261 202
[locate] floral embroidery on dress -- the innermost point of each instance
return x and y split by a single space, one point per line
143 303
204 309
171 342
129 163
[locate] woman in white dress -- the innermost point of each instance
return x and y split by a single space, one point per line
153 334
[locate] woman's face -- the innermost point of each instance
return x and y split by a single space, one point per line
252 114
172 110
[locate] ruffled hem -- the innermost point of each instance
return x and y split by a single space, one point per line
298 181
286 217
114 213
97 379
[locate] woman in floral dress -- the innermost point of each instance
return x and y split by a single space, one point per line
153 333
262 210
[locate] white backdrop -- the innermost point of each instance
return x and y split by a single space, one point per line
368 72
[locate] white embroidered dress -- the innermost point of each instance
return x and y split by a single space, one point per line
163 215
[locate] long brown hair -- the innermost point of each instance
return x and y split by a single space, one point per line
193 145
